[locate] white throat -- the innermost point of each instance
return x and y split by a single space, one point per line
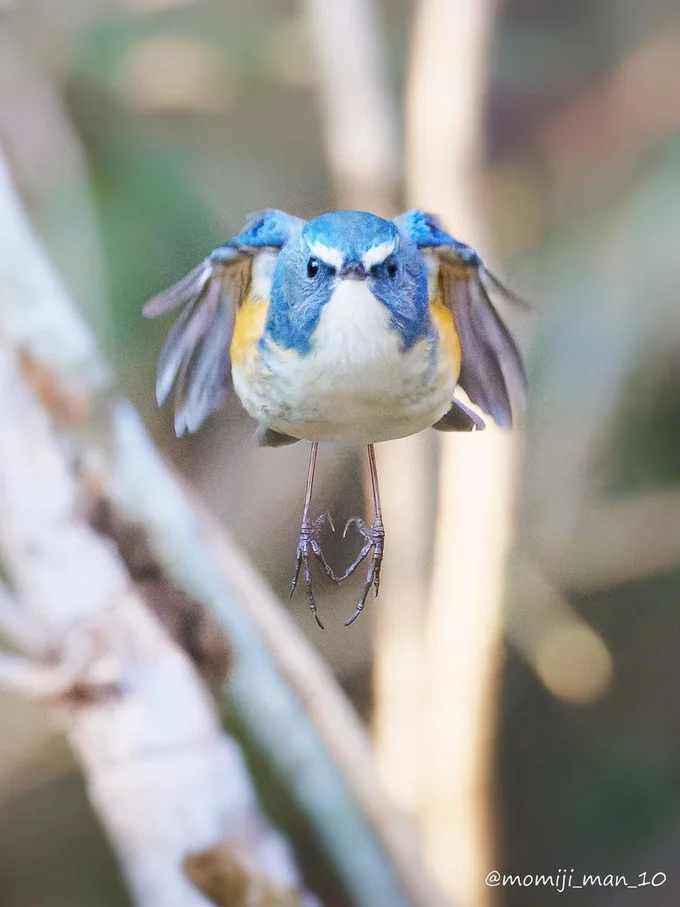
354 325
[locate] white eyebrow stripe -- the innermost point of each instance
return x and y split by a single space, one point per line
378 254
326 254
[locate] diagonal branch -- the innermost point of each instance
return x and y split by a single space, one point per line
163 778
200 559
110 442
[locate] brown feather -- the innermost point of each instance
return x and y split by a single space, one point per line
492 371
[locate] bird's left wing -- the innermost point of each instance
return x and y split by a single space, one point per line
492 371
195 356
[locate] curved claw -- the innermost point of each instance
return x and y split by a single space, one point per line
355 519
308 548
375 540
357 612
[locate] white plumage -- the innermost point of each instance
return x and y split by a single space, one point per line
356 383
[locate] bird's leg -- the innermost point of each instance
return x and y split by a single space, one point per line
375 539
308 544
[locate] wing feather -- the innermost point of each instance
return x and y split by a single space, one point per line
204 377
195 357
189 287
492 372
184 335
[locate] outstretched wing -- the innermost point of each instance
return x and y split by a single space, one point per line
195 355
492 371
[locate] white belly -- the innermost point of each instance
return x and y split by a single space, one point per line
356 383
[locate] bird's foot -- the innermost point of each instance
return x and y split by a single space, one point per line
309 547
374 541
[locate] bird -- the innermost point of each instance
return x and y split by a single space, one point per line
345 327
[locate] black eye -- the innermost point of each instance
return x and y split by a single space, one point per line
392 268
312 268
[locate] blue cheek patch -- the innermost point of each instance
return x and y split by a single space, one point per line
408 303
295 308
296 303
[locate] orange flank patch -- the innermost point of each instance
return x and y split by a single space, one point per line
249 327
446 328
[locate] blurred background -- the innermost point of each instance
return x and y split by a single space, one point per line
141 133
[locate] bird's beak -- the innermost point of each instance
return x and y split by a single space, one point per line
353 270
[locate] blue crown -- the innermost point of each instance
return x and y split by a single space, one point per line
351 233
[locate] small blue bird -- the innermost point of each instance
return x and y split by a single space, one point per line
344 327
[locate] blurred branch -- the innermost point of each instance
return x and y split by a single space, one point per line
446 86
133 708
17 627
38 681
622 541
114 448
568 656
163 778
48 162
202 561
358 114
224 877
613 310
444 101
612 121
399 614
613 305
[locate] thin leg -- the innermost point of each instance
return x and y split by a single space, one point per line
308 544
375 540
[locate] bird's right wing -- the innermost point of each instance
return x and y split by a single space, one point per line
492 371
195 356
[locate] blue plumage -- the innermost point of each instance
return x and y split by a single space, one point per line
345 327
270 228
426 232
296 300
352 233
333 242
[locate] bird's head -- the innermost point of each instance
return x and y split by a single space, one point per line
351 245
345 246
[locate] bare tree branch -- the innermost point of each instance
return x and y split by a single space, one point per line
17 627
203 562
111 444
36 681
163 778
